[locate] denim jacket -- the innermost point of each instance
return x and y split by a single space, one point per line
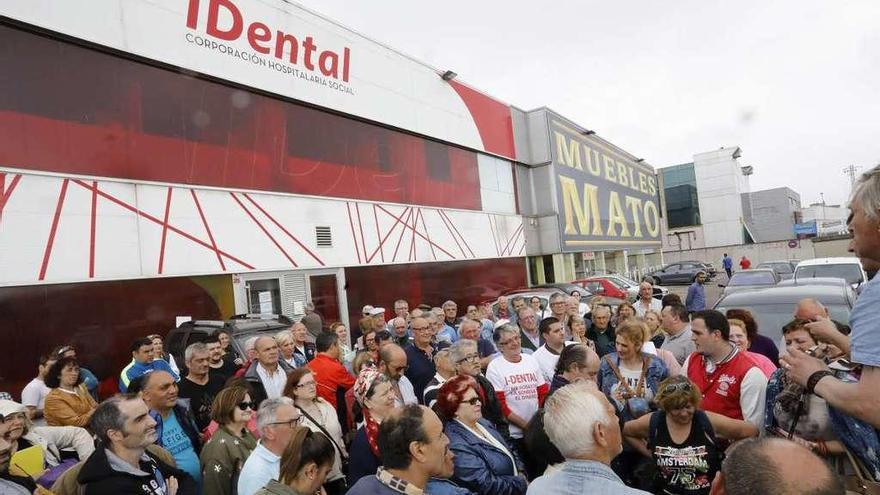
577 477
480 466
657 372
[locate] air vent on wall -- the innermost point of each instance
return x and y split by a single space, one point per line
323 237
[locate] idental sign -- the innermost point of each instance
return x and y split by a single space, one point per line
605 199
265 40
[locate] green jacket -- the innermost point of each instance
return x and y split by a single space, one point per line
277 488
222 458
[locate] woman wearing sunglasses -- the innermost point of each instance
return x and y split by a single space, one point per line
682 438
224 455
319 416
484 462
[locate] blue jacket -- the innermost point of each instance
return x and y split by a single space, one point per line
479 466
361 460
657 372
696 297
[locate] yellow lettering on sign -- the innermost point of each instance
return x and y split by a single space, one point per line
635 206
593 164
621 174
609 169
584 213
652 219
568 151
643 182
616 216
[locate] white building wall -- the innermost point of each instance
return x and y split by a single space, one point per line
63 229
720 183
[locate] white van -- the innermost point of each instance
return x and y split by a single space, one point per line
846 268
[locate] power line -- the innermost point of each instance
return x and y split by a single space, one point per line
850 171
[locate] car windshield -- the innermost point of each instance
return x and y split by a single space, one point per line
772 317
847 271
616 283
779 267
752 278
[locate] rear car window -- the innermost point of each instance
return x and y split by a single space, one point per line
755 278
847 271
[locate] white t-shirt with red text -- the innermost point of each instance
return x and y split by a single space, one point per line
519 382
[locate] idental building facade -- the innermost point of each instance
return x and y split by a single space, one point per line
207 158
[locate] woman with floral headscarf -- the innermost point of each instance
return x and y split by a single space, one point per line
375 399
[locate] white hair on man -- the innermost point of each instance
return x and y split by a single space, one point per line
398 321
570 418
268 411
193 349
460 350
866 193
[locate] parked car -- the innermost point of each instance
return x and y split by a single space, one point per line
756 278
632 287
683 272
616 286
847 268
240 327
783 268
773 307
604 287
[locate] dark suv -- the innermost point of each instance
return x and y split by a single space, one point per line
240 327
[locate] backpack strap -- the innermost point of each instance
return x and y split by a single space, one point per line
654 427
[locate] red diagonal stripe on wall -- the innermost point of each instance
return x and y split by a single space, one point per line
207 229
6 193
92 229
283 229
407 226
47 253
164 230
265 231
155 220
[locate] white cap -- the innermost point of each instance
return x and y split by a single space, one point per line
377 311
367 309
8 407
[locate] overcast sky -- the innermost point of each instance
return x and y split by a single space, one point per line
795 84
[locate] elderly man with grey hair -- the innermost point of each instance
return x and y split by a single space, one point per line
199 386
856 399
444 371
276 420
583 425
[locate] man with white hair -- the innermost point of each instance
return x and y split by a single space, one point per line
583 425
276 420
646 300
859 399
400 333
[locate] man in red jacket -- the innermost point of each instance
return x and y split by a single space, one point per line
731 384
332 377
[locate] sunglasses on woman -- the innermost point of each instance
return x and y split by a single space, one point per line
676 387
244 406
473 401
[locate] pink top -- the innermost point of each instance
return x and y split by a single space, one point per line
763 362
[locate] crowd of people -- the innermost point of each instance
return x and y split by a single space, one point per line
508 398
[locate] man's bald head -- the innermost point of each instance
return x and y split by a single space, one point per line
810 309
774 466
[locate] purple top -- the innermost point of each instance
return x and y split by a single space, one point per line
765 345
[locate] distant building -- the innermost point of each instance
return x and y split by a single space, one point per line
703 199
830 219
772 213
